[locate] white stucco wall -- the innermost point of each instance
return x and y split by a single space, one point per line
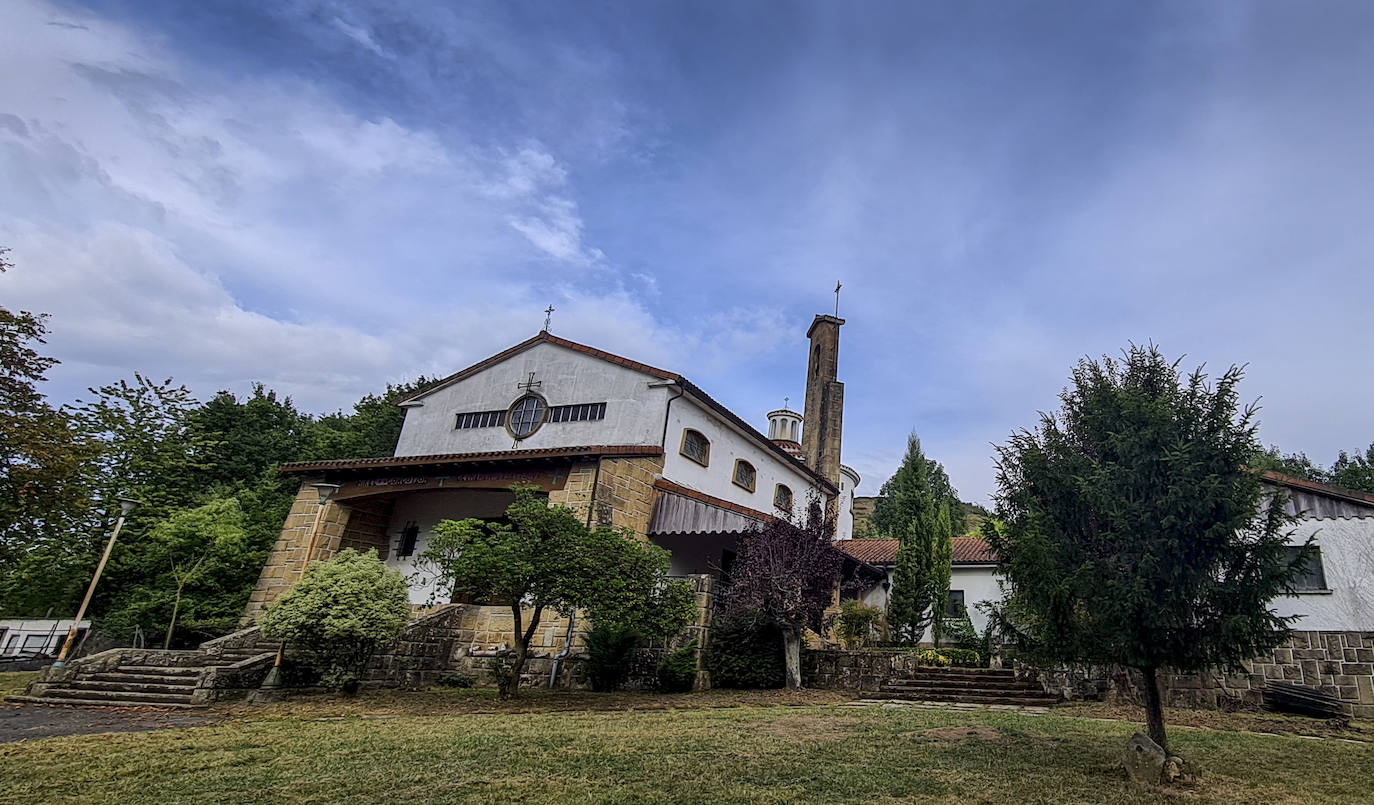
634 408
426 509
979 583
844 518
727 445
1347 548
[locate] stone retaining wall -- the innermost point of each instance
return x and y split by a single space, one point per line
1338 663
834 669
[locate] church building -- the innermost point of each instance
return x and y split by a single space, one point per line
621 443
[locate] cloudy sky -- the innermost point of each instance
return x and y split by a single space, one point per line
327 196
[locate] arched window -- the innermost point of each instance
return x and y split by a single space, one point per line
745 474
696 447
782 498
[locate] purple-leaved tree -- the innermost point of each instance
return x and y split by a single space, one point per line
785 575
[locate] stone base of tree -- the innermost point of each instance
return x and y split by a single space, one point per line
1338 663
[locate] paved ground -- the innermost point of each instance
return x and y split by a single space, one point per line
19 722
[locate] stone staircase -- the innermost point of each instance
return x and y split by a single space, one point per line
151 678
969 686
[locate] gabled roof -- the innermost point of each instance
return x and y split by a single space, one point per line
545 337
1312 487
442 459
966 551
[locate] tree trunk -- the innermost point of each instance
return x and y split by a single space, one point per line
167 643
791 655
509 687
1154 709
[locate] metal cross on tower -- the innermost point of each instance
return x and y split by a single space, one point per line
548 316
837 298
786 400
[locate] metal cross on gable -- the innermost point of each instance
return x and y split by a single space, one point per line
530 384
548 317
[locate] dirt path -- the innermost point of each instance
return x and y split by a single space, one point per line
20 722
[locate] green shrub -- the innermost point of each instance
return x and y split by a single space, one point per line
338 615
962 657
610 653
959 632
947 657
678 671
856 621
932 657
740 656
453 679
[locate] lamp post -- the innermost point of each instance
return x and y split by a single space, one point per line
126 505
326 491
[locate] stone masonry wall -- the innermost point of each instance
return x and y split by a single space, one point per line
287 559
833 669
625 493
576 494
1338 663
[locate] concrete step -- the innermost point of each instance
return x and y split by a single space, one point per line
125 686
992 697
160 670
955 684
99 702
97 695
156 679
967 673
934 690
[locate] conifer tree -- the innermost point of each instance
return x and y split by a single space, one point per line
910 514
1132 530
941 569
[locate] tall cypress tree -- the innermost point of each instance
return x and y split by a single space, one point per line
908 513
940 571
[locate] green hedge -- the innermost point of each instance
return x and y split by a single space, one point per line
742 657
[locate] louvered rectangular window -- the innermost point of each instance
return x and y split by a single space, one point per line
582 412
481 419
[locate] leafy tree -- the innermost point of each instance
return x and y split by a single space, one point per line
1132 531
42 497
189 576
1354 472
545 557
784 575
371 431
340 613
920 522
1296 465
243 442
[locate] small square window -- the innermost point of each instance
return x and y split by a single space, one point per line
1312 578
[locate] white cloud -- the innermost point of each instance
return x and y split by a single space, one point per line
223 229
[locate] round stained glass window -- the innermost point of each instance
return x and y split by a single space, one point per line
526 416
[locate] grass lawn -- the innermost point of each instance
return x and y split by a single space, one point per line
13 682
813 753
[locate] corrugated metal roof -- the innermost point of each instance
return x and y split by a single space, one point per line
679 514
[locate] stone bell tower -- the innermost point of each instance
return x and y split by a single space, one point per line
824 410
